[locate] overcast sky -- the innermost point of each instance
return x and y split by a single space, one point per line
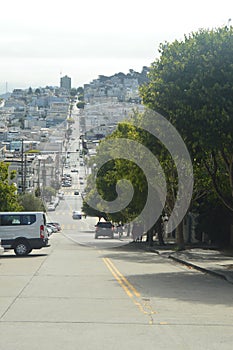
42 40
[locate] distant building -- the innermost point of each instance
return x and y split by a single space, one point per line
65 83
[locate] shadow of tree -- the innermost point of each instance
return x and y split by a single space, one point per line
184 284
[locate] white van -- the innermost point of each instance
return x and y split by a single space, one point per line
23 231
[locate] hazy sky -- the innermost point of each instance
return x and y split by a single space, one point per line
40 40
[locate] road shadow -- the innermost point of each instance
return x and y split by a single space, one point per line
184 286
11 256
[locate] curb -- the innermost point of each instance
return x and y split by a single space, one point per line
202 269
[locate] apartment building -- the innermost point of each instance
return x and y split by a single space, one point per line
65 83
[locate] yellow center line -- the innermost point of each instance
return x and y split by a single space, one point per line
124 279
130 290
106 261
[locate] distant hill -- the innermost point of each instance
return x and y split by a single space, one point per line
6 95
141 77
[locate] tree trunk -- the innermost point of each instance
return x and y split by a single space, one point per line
180 237
160 231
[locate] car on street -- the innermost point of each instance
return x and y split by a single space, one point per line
51 207
104 229
76 193
77 215
55 225
52 227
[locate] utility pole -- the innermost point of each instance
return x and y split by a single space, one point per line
25 173
22 167
39 192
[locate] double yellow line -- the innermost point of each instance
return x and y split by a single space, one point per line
144 304
130 290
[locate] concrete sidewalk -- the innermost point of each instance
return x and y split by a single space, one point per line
206 260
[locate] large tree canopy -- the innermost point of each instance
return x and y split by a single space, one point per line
191 84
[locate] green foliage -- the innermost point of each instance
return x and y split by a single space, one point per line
49 192
31 203
80 104
80 90
73 92
9 198
191 84
37 91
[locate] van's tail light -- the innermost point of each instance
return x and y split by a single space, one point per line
42 231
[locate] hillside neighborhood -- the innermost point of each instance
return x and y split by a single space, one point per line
36 125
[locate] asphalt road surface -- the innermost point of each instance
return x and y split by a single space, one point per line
71 296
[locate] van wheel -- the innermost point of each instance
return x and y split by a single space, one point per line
22 248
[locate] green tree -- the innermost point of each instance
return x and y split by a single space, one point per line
80 104
73 92
80 90
30 202
9 198
191 84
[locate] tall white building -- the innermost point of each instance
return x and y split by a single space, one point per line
65 82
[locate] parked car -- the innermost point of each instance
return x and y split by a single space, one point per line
52 227
49 231
104 228
56 224
51 207
23 231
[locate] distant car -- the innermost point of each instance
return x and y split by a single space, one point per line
67 175
104 228
76 193
52 227
61 195
51 207
55 224
66 184
77 215
49 230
